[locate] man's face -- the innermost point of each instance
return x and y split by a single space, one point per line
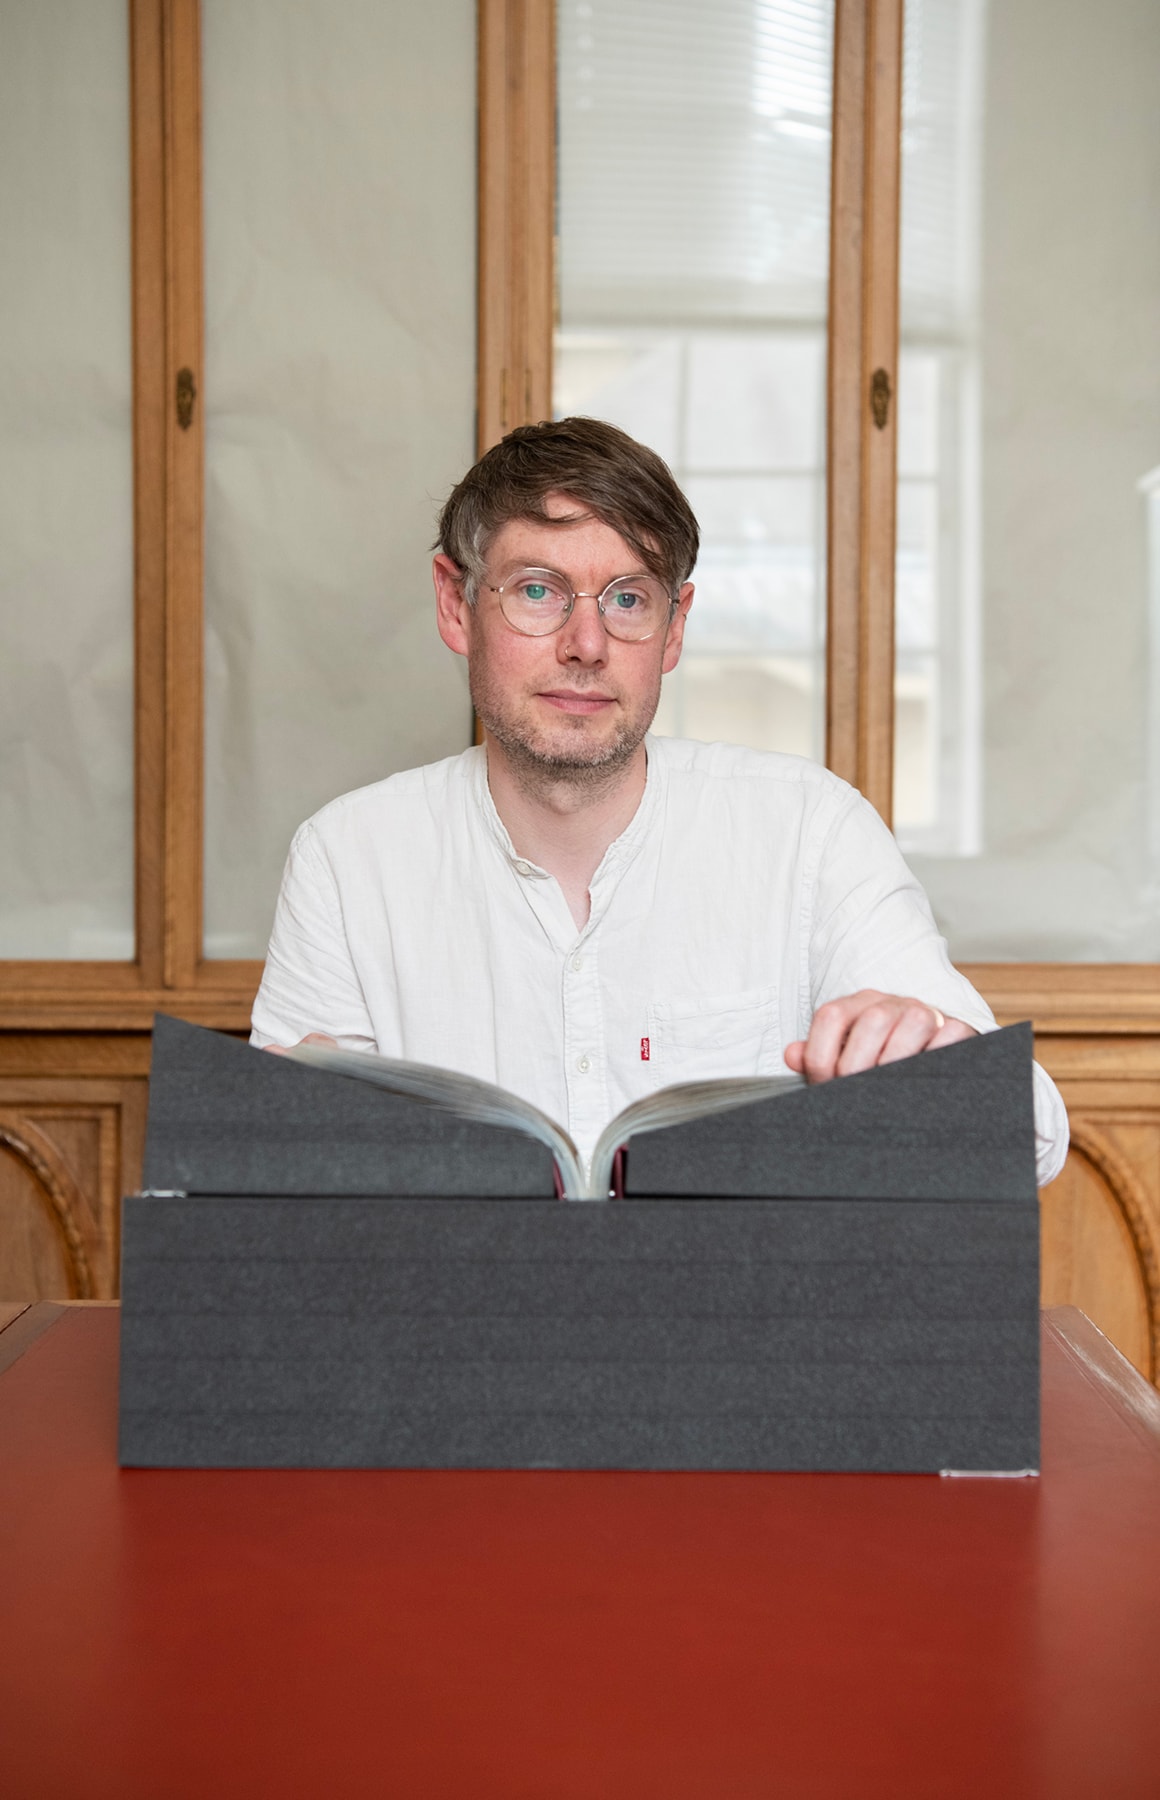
578 700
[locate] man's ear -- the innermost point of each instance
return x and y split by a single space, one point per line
676 633
453 611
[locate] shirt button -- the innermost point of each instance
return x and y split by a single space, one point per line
523 868
577 961
583 1063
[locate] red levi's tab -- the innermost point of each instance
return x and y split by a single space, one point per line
644 1050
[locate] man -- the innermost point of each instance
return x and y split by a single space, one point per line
575 910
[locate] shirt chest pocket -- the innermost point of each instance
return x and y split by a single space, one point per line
715 1035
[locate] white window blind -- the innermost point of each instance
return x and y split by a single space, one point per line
694 158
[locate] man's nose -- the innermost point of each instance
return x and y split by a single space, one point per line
582 637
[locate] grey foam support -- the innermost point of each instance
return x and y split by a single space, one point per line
228 1119
824 1334
954 1124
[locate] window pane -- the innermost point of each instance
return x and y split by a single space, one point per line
1028 790
694 247
66 483
340 397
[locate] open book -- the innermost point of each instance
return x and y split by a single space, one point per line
481 1101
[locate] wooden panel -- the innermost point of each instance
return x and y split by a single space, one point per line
516 197
1101 1219
863 353
1120 998
38 1260
69 1148
36 1056
63 1006
1090 1257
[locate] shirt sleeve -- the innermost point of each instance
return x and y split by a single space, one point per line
872 927
310 982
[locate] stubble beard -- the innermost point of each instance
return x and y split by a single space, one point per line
566 757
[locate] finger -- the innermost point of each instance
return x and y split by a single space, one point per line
947 1031
829 1031
795 1056
920 1027
312 1037
953 1032
868 1035
915 1029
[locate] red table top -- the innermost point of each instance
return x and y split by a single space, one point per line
211 1633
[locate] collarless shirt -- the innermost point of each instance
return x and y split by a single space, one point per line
748 889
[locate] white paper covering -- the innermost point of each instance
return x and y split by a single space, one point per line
66 494
1038 296
339 392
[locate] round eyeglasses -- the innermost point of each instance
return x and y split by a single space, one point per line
536 602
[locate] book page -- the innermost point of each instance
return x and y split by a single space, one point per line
677 1105
465 1096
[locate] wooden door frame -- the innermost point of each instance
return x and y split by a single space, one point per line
517 206
862 382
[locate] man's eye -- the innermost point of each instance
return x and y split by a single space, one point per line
627 599
535 590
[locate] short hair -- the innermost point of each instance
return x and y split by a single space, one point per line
622 483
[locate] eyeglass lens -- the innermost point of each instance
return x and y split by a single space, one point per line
537 601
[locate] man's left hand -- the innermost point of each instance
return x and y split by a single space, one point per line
869 1028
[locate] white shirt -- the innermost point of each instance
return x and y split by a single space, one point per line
747 889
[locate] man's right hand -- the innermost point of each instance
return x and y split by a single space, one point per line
868 1028
312 1037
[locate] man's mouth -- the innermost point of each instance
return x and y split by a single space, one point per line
570 700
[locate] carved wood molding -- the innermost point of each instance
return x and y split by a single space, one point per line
69 1009
1129 1194
1073 999
64 1197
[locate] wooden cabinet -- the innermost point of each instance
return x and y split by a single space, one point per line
74 1036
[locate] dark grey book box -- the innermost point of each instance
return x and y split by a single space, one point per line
322 1275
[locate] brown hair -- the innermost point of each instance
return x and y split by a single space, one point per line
621 482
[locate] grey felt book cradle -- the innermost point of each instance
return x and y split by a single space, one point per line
325 1275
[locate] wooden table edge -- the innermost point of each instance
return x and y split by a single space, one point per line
31 1322
1106 1369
